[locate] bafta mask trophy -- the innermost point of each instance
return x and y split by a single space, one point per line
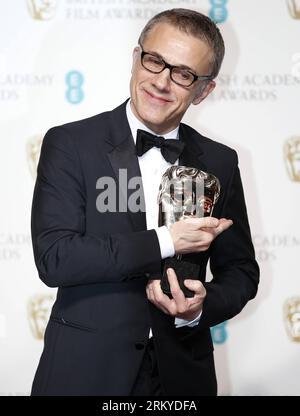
185 193
292 317
292 158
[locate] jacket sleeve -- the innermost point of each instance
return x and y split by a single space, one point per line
232 261
65 255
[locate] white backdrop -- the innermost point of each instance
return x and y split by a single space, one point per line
68 59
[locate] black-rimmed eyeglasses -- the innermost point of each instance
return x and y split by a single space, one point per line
181 76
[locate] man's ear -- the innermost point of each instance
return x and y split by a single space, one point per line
135 53
204 92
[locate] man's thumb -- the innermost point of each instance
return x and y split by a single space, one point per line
191 284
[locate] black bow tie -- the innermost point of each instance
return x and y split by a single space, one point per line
170 148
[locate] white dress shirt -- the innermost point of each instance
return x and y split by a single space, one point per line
152 167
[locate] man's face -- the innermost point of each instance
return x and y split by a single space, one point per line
155 99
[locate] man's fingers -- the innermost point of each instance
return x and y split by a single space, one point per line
223 225
208 222
205 222
192 235
176 291
179 304
158 298
196 286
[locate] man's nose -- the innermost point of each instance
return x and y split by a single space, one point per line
162 80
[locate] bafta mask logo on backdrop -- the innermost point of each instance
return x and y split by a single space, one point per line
294 8
292 158
39 307
291 312
33 149
42 9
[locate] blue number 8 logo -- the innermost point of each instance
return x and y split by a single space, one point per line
74 81
219 333
218 12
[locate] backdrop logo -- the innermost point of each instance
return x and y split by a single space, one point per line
13 86
42 9
292 158
13 246
256 87
39 307
291 314
296 64
74 81
218 11
294 8
270 247
219 333
33 149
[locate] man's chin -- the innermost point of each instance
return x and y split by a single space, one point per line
155 124
148 116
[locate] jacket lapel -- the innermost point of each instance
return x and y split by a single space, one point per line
122 156
193 154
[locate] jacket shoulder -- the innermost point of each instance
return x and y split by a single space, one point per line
81 132
89 123
93 128
211 146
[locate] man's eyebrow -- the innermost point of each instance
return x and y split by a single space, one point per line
178 66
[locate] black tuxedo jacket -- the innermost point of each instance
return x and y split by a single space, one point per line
100 262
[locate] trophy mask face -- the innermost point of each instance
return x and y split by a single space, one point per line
186 192
182 198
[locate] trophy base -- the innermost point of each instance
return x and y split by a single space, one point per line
184 270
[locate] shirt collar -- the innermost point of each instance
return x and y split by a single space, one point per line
135 124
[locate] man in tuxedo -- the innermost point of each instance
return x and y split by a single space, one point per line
112 331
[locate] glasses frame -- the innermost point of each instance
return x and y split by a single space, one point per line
171 67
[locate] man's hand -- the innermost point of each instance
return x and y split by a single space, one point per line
196 234
179 306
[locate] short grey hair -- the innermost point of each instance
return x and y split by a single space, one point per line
193 23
